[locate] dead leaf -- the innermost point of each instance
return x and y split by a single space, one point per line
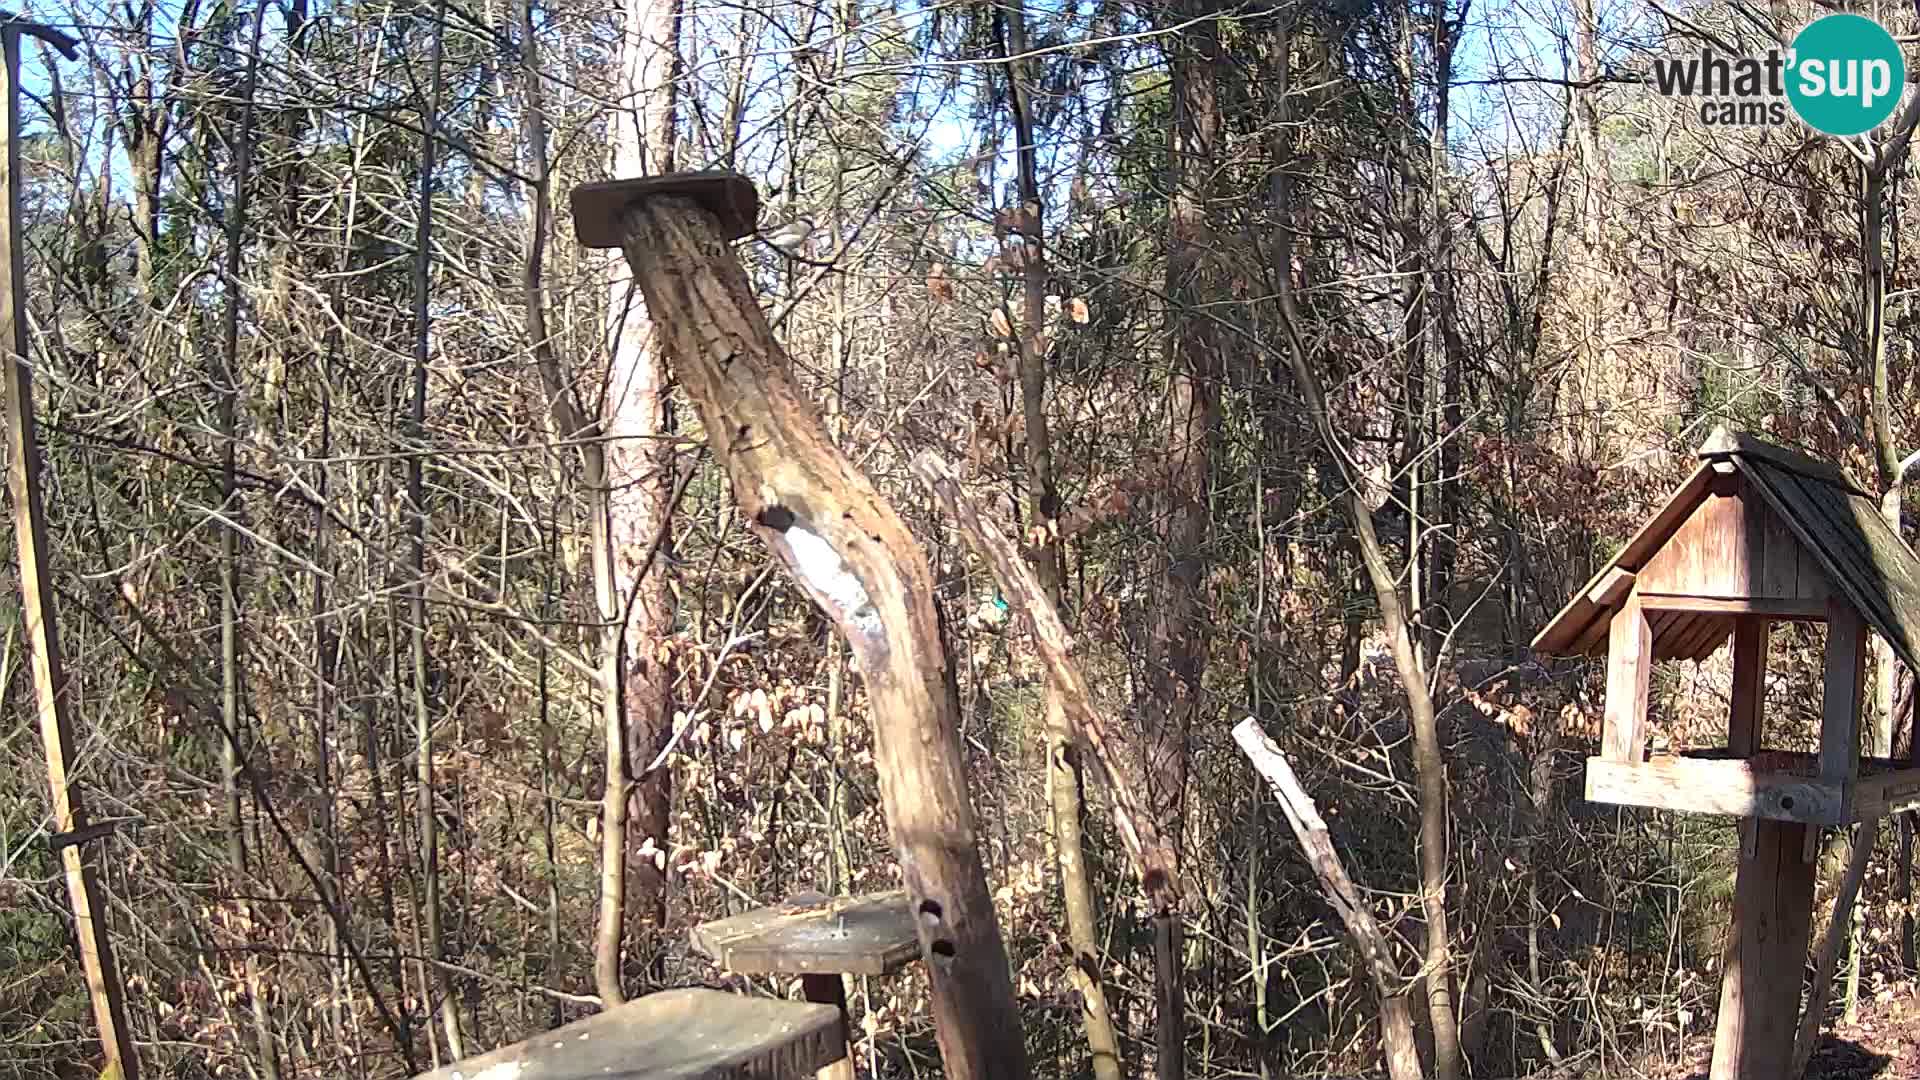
1078 311
997 322
939 287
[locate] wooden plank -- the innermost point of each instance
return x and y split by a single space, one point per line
690 1034
1840 540
1724 443
1698 625
1886 794
1629 665
1560 631
1612 587
857 935
1670 567
1795 610
1780 552
1814 583
1706 635
1822 519
1765 956
1844 671
599 207
1729 786
52 691
1706 556
1592 640
1894 570
1724 546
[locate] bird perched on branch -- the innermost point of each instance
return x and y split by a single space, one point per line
790 238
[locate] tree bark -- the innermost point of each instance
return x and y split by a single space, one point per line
1177 641
856 559
638 481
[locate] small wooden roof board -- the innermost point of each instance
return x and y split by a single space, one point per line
599 206
858 935
1832 518
672 1035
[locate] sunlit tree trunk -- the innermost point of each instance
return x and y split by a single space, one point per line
631 515
1064 778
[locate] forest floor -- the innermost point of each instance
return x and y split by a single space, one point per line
1882 1044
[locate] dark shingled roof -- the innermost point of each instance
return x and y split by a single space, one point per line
1832 517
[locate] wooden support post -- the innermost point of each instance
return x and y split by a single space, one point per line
855 558
1766 956
1629 666
1845 673
1772 904
52 691
832 990
1747 716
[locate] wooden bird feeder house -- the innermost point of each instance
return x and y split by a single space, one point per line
1758 534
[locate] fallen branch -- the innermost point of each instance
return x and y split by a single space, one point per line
1396 1021
1152 855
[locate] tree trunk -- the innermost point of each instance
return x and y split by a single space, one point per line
426 822
855 558
1064 779
1177 642
232 715
637 485
1429 765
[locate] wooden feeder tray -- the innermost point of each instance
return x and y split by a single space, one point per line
1774 784
856 935
673 1035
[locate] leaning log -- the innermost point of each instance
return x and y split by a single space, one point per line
1151 853
854 557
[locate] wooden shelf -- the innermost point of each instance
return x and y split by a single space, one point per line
672 1035
1776 785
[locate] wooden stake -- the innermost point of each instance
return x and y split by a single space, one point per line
51 689
855 558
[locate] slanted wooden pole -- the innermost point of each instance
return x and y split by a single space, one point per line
1766 950
855 558
51 690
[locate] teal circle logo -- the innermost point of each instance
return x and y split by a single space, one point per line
1845 74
